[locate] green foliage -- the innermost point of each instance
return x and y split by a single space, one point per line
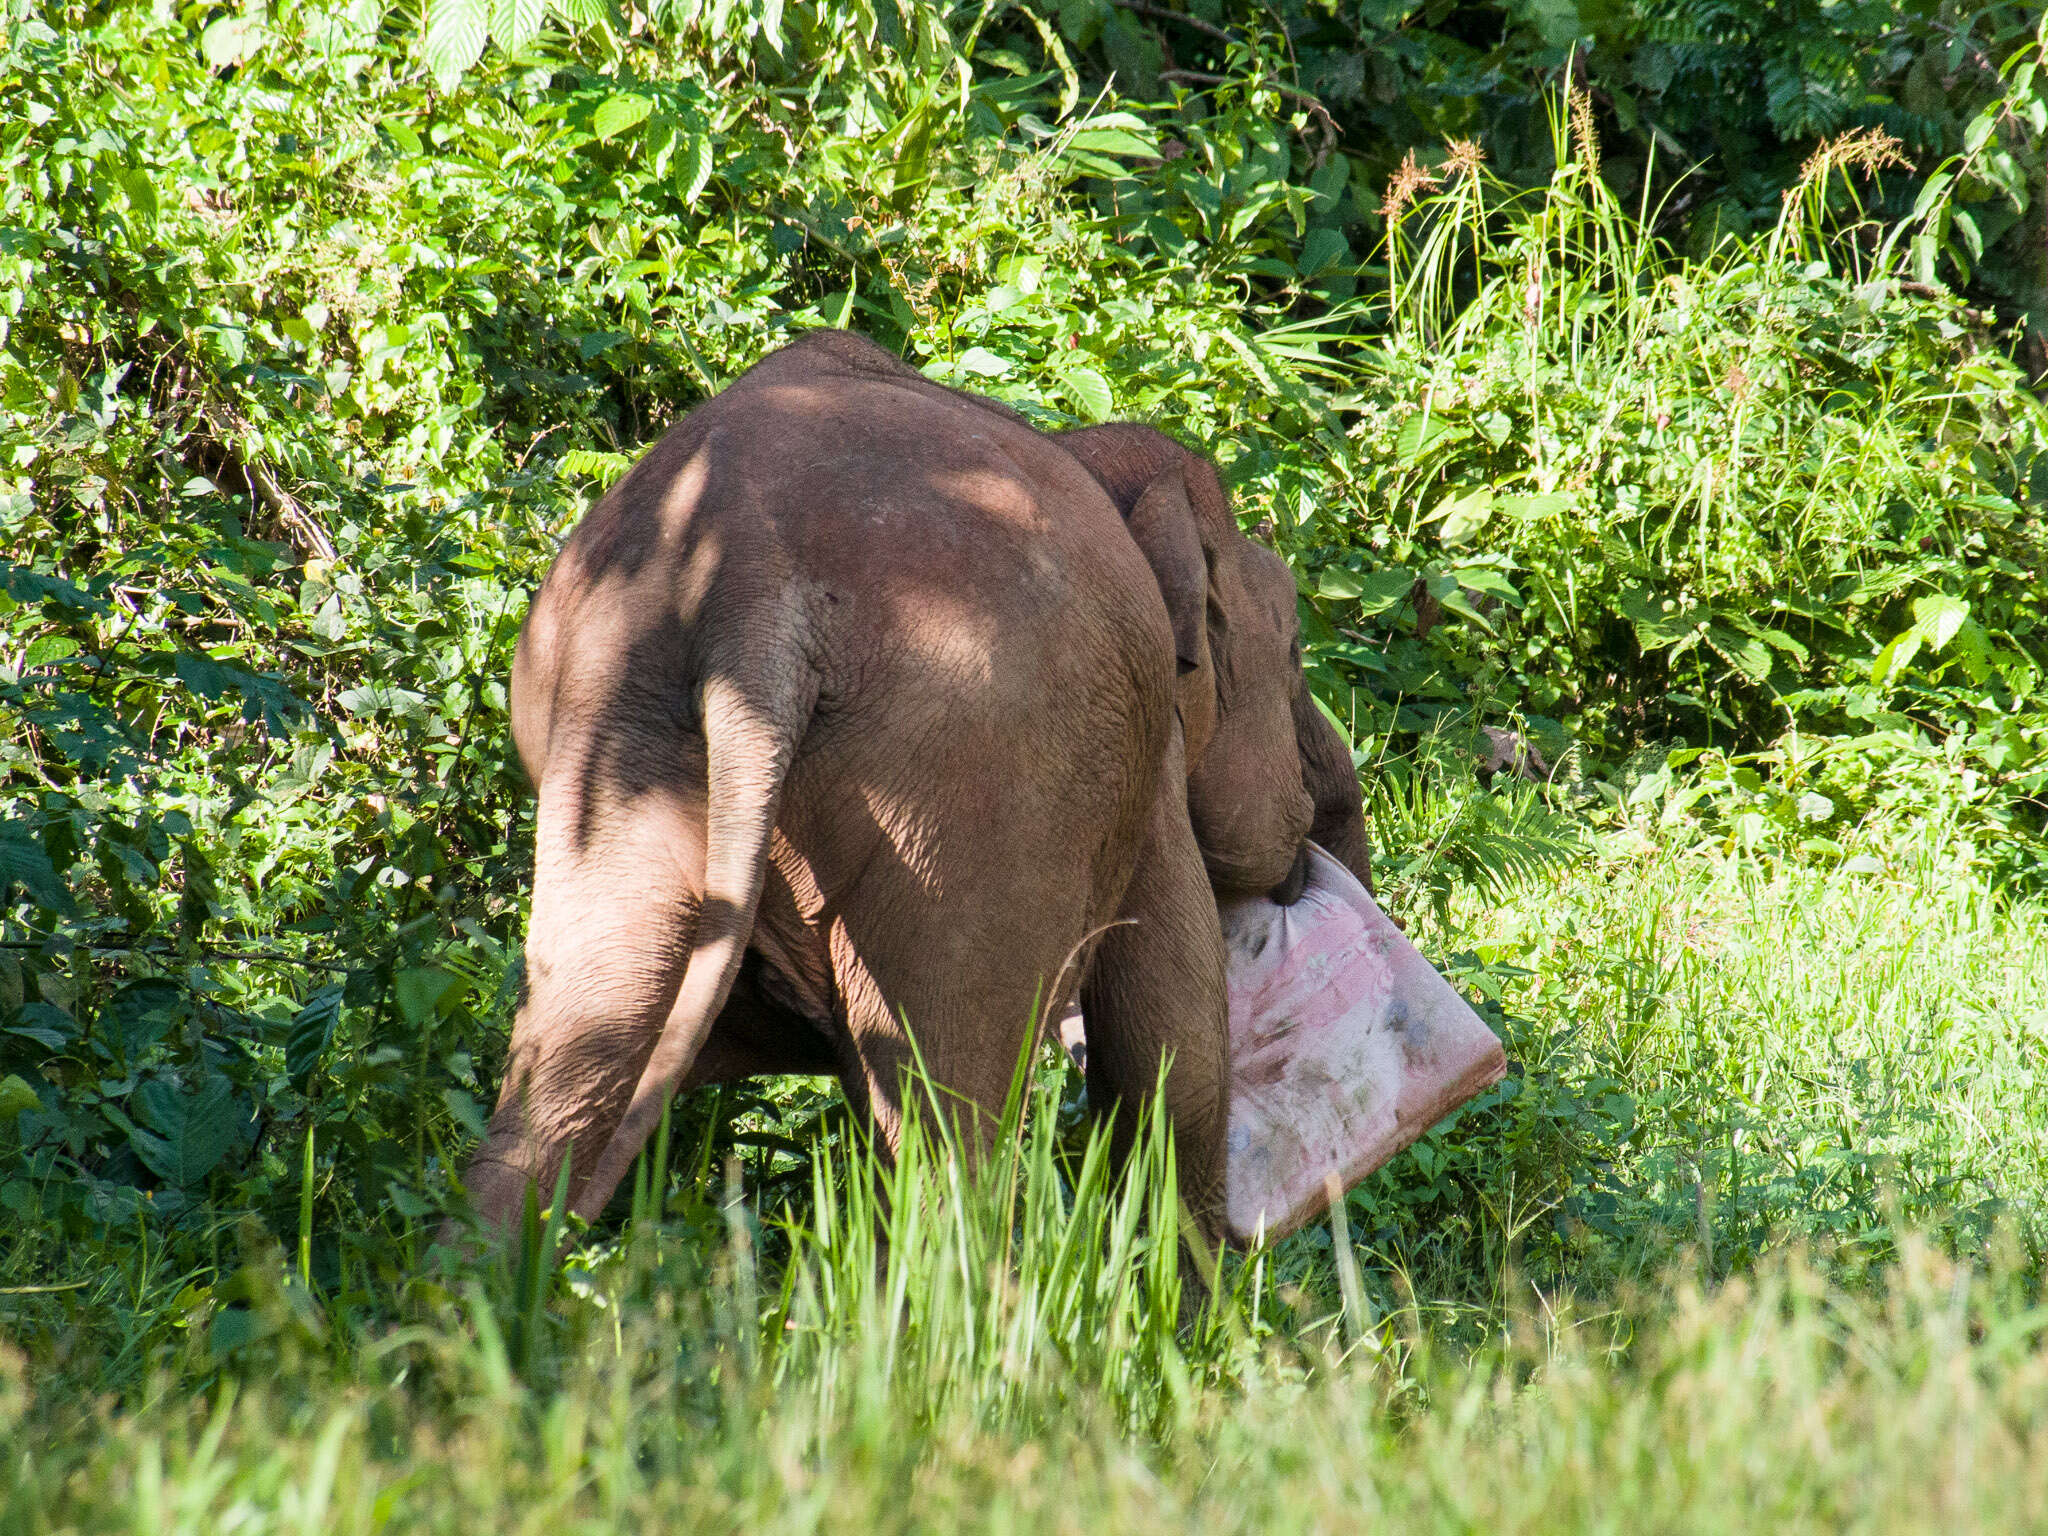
1735 94
1699 499
318 327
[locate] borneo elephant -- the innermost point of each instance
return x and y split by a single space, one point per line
860 700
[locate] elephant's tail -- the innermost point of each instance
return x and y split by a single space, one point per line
753 718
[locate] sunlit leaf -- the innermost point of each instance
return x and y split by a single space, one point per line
616 114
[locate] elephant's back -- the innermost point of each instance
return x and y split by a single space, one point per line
994 650
920 520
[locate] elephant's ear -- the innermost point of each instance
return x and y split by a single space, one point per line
1163 524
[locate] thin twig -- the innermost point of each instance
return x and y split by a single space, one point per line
1163 14
213 951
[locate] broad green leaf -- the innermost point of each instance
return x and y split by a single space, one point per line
24 864
1937 618
419 991
1658 621
231 40
1485 579
1965 224
1896 655
138 1016
693 167
983 363
1114 141
16 1097
456 33
1462 516
1455 601
1424 431
616 114
311 1032
515 23
1088 391
191 1131
1323 249
383 699
1534 507
1373 591
912 165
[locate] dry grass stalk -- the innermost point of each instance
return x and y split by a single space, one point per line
1868 150
1588 142
1410 179
1463 157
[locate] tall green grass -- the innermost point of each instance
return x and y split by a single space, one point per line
1819 1066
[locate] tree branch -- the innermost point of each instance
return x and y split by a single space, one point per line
1161 13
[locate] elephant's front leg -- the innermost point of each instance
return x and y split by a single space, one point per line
1155 995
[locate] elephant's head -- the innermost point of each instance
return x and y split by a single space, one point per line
1266 770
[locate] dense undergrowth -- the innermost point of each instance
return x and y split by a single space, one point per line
307 362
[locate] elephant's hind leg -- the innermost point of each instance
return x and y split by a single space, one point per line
614 909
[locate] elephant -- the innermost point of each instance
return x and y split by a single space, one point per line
860 707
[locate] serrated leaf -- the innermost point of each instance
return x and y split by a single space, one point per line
605 468
312 1031
1089 392
694 168
1936 619
1424 431
1658 622
515 23
1749 657
456 33
192 1131
616 114
1778 640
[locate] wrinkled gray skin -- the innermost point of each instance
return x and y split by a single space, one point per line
858 700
